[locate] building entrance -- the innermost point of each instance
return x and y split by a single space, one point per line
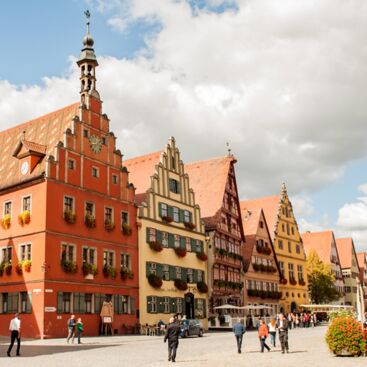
189 306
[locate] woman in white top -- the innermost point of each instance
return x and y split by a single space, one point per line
272 326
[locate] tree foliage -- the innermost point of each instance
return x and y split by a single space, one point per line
320 280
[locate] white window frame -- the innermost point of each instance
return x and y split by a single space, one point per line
112 213
113 258
97 171
95 262
11 207
30 201
63 243
125 256
73 204
128 217
24 244
1 253
94 208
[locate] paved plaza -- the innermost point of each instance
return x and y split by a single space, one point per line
307 348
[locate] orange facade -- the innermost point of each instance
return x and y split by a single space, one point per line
68 240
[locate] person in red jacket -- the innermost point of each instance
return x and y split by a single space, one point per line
263 334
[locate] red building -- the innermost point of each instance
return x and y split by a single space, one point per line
68 239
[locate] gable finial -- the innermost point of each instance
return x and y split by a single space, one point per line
87 15
23 136
283 188
228 149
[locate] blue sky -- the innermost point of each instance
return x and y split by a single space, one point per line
37 37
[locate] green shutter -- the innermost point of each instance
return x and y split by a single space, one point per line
170 211
190 216
204 308
173 305
159 236
59 302
76 303
160 209
195 275
132 305
15 302
171 240
160 270
182 215
203 275
172 272
29 302
183 242
184 274
193 245
149 304
148 266
160 305
148 234
82 303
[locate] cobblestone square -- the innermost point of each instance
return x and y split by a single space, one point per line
307 348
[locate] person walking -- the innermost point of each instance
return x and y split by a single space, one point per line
263 333
239 329
172 333
14 329
283 333
79 329
272 327
71 329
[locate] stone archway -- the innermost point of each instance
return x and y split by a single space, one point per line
294 307
189 306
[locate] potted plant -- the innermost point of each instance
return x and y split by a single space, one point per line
180 252
8 268
345 337
292 281
126 273
90 221
155 281
109 225
126 229
69 266
181 285
24 217
69 216
301 282
19 268
89 269
202 287
202 256
189 225
27 264
156 246
6 221
109 271
167 218
283 281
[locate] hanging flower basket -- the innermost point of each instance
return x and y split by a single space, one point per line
109 226
283 281
156 246
27 265
89 269
180 252
19 268
126 229
190 225
202 287
167 218
202 256
69 266
301 282
109 271
181 285
90 221
126 273
69 217
292 281
155 281
6 221
24 217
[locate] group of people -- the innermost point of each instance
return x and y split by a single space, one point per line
74 327
264 330
302 320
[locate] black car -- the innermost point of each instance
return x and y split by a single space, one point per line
191 327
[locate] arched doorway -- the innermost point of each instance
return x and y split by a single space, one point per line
293 307
189 306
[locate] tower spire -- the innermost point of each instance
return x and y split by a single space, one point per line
87 63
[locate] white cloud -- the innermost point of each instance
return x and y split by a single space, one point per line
283 82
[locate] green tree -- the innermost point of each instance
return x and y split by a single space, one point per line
320 280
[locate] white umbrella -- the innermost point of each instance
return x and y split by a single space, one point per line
259 307
227 307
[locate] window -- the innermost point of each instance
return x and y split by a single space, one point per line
176 240
176 214
154 304
25 252
174 186
125 261
85 133
89 209
166 304
68 204
188 244
103 139
164 210
89 255
67 252
115 179
200 310
165 239
261 224
6 254
5 302
25 302
7 208
179 305
152 234
283 228
187 216
108 258
125 304
298 249
292 230
71 164
200 276
124 217
108 215
291 271
178 272
165 272
289 246
66 296
281 266
300 272
288 230
88 302
190 277
26 204
280 244
95 172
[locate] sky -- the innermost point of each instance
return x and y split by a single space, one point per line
283 82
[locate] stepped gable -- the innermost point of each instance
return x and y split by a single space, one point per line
345 251
208 179
40 135
320 242
270 207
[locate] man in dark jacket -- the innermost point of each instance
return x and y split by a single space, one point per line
172 334
283 333
239 329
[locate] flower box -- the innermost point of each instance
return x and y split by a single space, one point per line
156 246
69 217
292 281
6 221
8 268
180 252
167 218
89 269
24 217
69 266
126 273
19 268
202 287
181 285
155 281
301 282
283 281
109 226
202 256
126 229
27 264
109 271
90 221
190 225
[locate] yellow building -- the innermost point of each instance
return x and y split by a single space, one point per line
172 247
288 248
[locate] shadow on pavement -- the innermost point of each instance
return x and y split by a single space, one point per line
39 350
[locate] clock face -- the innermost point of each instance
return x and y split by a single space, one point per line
24 168
95 143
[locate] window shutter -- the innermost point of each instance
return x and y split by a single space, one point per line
183 242
173 305
82 302
59 302
15 302
204 308
195 307
148 266
182 215
201 246
195 275
132 305
170 211
29 302
190 216
184 274
160 271
172 272
178 187
148 234
203 275
171 240
76 308
193 245
160 209
159 236
149 304
160 306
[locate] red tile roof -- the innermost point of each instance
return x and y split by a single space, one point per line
250 221
208 180
319 241
141 169
270 207
345 251
361 256
41 134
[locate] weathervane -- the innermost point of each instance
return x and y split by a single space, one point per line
87 15
228 148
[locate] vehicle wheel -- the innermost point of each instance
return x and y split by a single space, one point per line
200 333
